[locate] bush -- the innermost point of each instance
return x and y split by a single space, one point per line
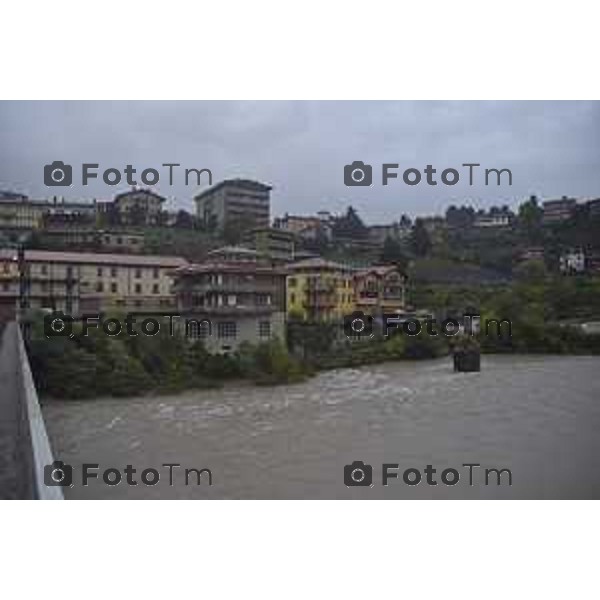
269 363
62 369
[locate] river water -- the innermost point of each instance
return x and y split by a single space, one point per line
538 416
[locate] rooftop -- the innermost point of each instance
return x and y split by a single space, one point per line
380 270
245 184
95 258
227 266
241 250
318 263
136 191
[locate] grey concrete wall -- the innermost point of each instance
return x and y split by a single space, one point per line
247 330
24 444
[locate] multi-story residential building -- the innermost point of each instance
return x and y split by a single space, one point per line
235 201
557 211
380 290
276 244
493 220
138 207
572 261
242 297
317 231
70 210
319 290
90 239
76 283
130 242
593 207
18 212
296 223
67 238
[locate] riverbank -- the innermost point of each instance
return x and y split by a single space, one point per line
97 365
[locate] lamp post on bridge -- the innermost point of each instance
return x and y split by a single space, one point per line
24 283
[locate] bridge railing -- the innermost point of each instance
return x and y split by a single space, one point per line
23 433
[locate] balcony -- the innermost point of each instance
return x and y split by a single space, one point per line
320 286
233 287
232 310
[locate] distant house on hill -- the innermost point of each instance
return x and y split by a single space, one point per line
557 211
139 207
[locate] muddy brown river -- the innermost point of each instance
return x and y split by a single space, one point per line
536 416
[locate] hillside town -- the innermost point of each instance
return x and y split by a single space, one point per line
250 274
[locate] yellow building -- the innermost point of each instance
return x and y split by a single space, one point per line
319 290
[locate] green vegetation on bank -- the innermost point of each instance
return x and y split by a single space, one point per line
544 309
97 365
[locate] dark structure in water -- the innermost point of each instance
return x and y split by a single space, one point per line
467 360
467 356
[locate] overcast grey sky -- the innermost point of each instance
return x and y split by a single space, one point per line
552 148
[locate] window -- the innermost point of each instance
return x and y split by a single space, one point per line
44 270
44 286
197 329
138 288
99 272
99 286
292 282
156 289
292 298
263 299
155 272
113 272
119 240
264 329
227 329
138 273
6 286
69 272
6 268
113 288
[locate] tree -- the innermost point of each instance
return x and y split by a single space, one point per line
460 217
405 221
420 240
350 225
533 271
530 216
392 252
183 220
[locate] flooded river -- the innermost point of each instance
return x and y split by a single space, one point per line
537 416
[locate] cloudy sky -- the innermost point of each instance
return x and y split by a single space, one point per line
552 149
